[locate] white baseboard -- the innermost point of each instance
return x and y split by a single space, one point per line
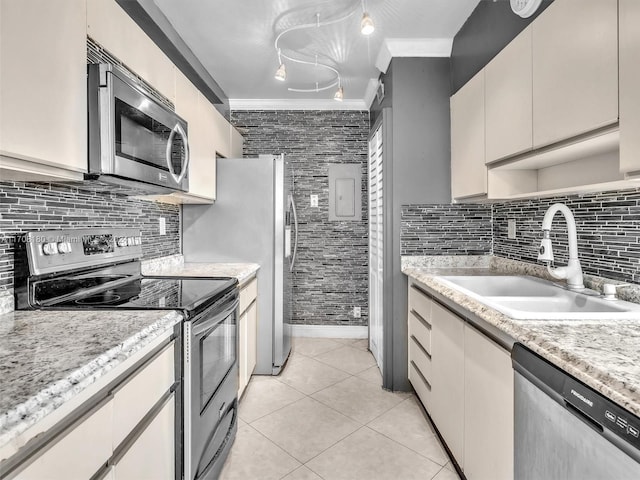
329 331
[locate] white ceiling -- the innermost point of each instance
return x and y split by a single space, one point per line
234 40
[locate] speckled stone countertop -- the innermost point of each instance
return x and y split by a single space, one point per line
603 354
174 266
48 357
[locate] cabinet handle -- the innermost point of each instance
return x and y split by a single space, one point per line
422 320
419 345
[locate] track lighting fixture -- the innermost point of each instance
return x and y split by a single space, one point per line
281 73
366 24
339 96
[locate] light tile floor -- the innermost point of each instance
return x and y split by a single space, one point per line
327 417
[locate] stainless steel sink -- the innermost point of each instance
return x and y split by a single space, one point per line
530 298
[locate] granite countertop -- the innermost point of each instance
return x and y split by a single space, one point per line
174 265
48 357
603 354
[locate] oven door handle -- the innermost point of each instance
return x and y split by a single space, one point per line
200 328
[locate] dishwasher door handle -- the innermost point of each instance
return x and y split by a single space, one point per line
597 426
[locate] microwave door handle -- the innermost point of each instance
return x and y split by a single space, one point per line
201 328
180 131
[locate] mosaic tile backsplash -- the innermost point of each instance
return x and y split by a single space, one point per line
458 229
43 206
608 225
331 273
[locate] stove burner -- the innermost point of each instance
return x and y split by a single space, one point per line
100 299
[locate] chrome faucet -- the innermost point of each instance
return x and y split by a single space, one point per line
572 273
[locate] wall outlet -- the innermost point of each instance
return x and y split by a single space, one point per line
357 312
162 223
511 228
314 200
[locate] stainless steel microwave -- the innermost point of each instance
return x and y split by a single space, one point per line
134 140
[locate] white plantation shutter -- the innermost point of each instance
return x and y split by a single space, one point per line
375 245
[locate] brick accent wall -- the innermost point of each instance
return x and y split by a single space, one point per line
331 272
46 206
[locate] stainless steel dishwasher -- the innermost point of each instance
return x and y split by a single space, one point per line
564 430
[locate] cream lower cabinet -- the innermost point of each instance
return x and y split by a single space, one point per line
43 90
488 409
128 435
247 334
465 382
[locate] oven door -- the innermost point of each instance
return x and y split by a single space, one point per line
210 386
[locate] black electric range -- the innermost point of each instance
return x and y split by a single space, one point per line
100 269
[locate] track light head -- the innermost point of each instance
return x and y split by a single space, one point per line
281 73
339 95
366 24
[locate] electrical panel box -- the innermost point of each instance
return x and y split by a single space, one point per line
345 192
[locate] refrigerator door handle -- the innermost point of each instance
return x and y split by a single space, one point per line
292 207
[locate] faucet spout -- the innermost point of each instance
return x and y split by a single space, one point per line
572 273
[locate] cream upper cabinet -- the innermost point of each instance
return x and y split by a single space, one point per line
468 170
109 25
488 409
221 134
508 101
193 107
629 86
237 142
575 69
447 392
43 87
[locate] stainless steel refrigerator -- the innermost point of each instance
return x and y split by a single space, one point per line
252 220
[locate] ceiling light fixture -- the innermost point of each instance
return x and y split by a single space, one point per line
304 59
366 24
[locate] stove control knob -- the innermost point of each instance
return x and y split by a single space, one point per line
50 248
121 241
130 241
64 247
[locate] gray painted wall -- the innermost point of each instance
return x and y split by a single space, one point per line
490 27
418 166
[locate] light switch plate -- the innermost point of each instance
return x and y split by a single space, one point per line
162 223
511 228
314 200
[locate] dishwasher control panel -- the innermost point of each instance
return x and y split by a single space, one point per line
601 412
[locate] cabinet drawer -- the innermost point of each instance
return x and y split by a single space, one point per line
136 397
248 293
421 329
419 302
420 357
79 453
421 385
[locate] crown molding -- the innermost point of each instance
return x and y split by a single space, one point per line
295 104
412 47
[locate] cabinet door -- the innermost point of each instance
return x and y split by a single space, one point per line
109 25
447 389
508 107
488 413
221 133
152 456
629 86
79 453
468 170
575 69
237 143
252 339
243 377
43 82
